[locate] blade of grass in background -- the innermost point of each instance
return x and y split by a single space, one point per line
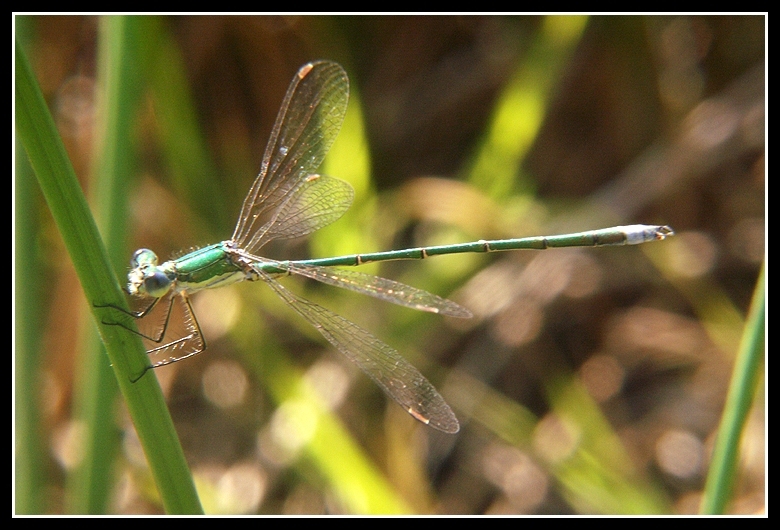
345 466
29 447
520 110
595 475
741 394
192 172
29 452
70 211
119 60
302 424
352 474
587 457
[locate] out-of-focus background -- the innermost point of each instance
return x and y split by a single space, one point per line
588 381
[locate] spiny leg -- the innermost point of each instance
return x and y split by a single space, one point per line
139 315
194 336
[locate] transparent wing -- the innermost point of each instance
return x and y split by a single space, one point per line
382 288
398 378
316 203
307 124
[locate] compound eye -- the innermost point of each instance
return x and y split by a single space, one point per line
142 257
157 284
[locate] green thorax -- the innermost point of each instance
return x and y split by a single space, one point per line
205 268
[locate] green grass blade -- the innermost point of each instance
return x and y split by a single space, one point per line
191 170
70 211
596 475
29 451
723 468
357 483
91 484
520 110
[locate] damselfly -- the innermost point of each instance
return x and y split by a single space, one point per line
287 200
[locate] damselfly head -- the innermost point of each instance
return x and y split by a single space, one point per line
146 278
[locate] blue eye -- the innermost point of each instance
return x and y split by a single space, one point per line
157 284
143 256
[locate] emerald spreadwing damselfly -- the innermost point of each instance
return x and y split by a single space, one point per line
288 200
